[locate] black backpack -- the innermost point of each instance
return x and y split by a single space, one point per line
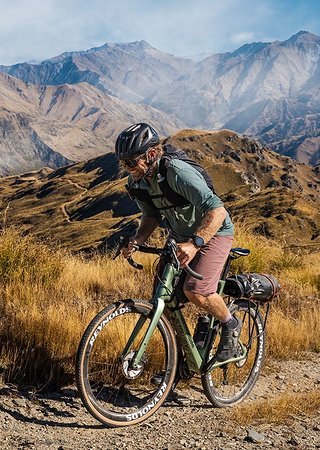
172 196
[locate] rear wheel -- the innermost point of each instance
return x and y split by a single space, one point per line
113 392
229 384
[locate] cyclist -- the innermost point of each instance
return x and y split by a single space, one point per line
203 228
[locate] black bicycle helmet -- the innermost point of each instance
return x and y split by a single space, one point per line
135 140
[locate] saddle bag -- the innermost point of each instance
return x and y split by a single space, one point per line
254 286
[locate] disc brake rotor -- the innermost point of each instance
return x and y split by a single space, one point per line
129 372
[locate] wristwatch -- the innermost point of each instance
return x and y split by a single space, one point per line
198 241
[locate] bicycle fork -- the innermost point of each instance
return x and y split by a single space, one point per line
163 293
156 314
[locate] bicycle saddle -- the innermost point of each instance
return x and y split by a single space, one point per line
240 251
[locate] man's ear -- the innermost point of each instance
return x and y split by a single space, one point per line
151 156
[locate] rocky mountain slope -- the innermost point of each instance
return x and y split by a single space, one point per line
55 125
129 71
84 206
269 90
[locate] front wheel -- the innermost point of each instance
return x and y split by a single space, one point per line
112 390
229 384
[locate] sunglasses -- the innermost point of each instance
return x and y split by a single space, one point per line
132 162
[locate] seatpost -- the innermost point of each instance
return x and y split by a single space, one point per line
226 268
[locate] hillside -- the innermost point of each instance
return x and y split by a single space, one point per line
56 125
269 90
84 204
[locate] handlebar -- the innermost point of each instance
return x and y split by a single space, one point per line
169 249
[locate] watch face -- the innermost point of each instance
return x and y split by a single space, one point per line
199 242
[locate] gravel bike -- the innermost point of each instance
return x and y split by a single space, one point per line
134 352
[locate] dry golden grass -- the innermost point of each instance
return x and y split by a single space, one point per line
48 296
278 409
289 334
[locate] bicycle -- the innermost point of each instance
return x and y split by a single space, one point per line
134 352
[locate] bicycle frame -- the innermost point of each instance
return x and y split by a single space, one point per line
164 296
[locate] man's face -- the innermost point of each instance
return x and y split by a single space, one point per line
137 167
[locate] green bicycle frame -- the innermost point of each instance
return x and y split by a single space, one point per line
164 297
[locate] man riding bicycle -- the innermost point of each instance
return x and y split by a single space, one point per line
201 226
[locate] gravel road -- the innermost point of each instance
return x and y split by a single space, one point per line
59 421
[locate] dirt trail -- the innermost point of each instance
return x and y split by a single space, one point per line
64 205
59 421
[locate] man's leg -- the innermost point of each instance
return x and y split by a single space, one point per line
209 262
213 304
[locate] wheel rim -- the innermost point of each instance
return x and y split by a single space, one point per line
116 390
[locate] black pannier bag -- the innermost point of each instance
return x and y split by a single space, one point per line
254 286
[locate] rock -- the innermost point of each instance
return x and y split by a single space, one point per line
235 156
254 436
174 447
20 402
293 441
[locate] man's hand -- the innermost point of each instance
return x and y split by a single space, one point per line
127 251
186 252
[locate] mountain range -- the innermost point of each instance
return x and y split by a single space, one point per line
72 106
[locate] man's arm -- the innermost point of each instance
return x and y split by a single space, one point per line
147 226
211 222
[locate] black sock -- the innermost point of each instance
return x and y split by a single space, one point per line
232 323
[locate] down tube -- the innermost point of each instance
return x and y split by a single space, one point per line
186 341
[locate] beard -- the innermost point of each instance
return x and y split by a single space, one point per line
144 169
137 174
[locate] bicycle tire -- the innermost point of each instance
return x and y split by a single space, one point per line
242 376
112 393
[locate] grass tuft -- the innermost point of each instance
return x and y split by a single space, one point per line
276 410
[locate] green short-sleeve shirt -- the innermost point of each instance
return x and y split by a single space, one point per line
188 182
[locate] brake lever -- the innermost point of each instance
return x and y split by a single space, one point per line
188 269
123 241
193 273
134 264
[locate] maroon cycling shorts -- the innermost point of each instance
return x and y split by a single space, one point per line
209 262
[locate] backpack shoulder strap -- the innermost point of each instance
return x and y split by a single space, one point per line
142 195
167 191
139 194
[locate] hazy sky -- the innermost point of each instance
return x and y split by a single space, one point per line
40 29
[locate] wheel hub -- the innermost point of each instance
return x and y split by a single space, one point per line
129 372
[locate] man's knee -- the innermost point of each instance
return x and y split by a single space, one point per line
197 299
200 299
